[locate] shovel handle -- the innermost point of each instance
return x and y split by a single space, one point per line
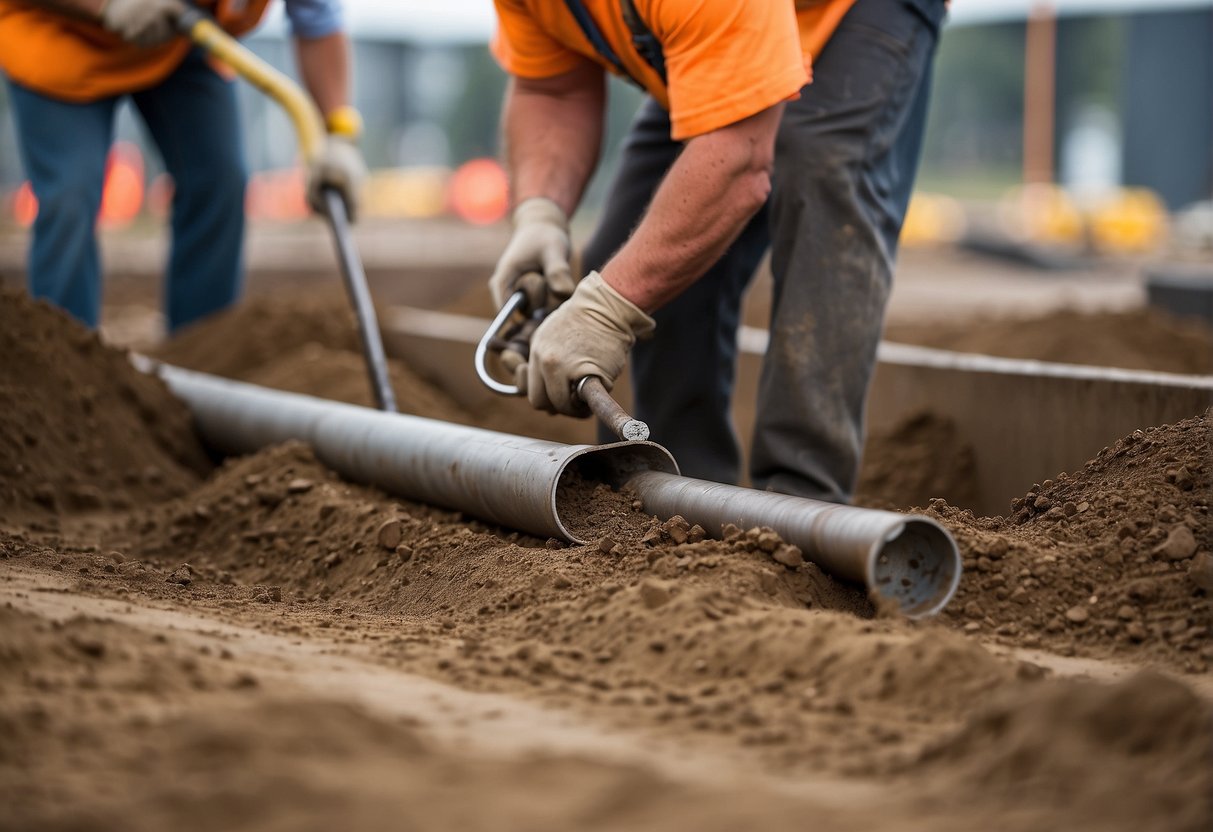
206 33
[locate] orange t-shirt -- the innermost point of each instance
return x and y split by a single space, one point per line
725 60
78 61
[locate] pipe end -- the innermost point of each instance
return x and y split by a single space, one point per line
917 567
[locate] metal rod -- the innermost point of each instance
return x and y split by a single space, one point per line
594 393
360 296
515 481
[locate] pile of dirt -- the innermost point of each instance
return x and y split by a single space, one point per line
1127 754
1140 339
261 330
918 459
1114 559
80 428
736 637
108 727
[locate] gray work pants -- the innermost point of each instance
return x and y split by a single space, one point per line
845 159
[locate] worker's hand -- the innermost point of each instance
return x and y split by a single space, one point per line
588 335
142 22
339 165
541 245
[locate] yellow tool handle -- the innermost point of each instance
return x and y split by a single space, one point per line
309 124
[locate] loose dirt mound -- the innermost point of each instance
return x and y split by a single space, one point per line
80 428
106 727
1128 754
260 330
915 461
1113 559
699 635
1141 339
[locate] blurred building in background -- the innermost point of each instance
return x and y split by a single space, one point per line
1128 90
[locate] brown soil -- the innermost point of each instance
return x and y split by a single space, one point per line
1141 339
80 428
1114 559
274 647
918 459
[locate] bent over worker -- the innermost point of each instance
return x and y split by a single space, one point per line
733 151
69 63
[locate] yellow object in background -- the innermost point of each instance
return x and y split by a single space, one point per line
1043 213
1130 220
932 219
406 193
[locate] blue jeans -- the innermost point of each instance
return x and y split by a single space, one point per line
845 159
193 120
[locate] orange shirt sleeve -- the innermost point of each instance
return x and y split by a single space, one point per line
726 60
523 48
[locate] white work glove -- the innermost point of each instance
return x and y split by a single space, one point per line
142 22
541 245
339 165
590 334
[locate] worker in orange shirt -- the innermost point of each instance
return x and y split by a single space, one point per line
69 63
733 152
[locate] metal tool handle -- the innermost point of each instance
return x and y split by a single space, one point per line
516 302
594 393
354 277
590 389
305 116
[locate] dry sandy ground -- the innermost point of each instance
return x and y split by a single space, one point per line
259 644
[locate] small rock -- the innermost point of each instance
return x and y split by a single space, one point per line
183 575
1126 613
605 545
677 529
1179 545
696 534
730 532
654 594
390 533
789 555
561 582
1136 632
404 552
1201 571
767 540
1042 503
1078 615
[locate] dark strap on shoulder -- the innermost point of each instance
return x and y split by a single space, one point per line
594 35
643 39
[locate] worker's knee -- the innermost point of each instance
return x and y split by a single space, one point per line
69 204
220 184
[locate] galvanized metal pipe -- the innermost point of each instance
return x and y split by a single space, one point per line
514 481
910 559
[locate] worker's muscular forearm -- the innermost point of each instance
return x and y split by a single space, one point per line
324 65
720 180
553 134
